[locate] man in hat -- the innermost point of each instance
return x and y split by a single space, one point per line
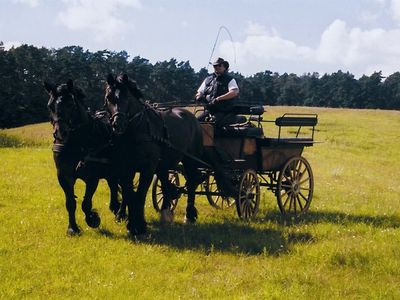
220 91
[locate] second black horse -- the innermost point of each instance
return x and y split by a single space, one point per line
149 142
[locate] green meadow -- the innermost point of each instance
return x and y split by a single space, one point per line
347 246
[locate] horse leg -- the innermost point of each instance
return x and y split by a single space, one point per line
121 212
193 179
139 225
114 203
92 218
166 215
118 208
128 196
67 183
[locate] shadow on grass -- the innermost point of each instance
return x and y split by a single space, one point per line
227 237
242 238
335 218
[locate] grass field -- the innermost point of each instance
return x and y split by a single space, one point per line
348 246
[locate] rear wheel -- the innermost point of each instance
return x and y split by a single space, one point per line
295 187
216 201
248 200
157 195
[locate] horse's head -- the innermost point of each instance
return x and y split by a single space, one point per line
66 110
118 103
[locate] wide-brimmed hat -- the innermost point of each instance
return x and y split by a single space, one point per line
221 61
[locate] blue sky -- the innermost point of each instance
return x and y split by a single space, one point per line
300 36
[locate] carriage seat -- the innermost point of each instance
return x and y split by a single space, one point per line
240 119
246 130
249 110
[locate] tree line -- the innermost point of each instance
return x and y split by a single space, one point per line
23 69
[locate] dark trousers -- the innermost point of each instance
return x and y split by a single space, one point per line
221 118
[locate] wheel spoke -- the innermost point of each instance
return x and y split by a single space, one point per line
289 172
253 187
284 192
305 180
249 210
290 202
298 168
294 204
301 194
286 200
304 189
288 178
286 185
298 200
254 200
301 173
250 204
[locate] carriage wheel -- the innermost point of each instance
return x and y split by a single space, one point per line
248 200
216 201
157 195
295 187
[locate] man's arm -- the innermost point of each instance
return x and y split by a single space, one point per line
233 91
229 95
200 91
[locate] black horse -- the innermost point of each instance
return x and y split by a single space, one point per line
149 142
79 137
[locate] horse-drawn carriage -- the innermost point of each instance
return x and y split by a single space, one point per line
238 155
252 160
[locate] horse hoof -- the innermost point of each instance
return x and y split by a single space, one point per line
137 229
93 219
188 220
166 216
73 231
191 215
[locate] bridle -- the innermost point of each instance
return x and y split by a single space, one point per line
130 119
55 119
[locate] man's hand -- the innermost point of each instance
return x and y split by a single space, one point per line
212 101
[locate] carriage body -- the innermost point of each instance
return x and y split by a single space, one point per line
256 161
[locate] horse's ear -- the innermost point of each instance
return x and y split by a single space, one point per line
49 87
70 85
125 78
110 79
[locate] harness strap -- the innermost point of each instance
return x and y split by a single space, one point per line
170 145
89 158
58 148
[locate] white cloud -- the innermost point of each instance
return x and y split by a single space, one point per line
395 9
340 47
368 16
31 3
9 44
99 17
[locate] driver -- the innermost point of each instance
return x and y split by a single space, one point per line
219 91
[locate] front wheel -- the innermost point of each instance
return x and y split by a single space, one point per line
216 200
295 187
248 200
157 195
